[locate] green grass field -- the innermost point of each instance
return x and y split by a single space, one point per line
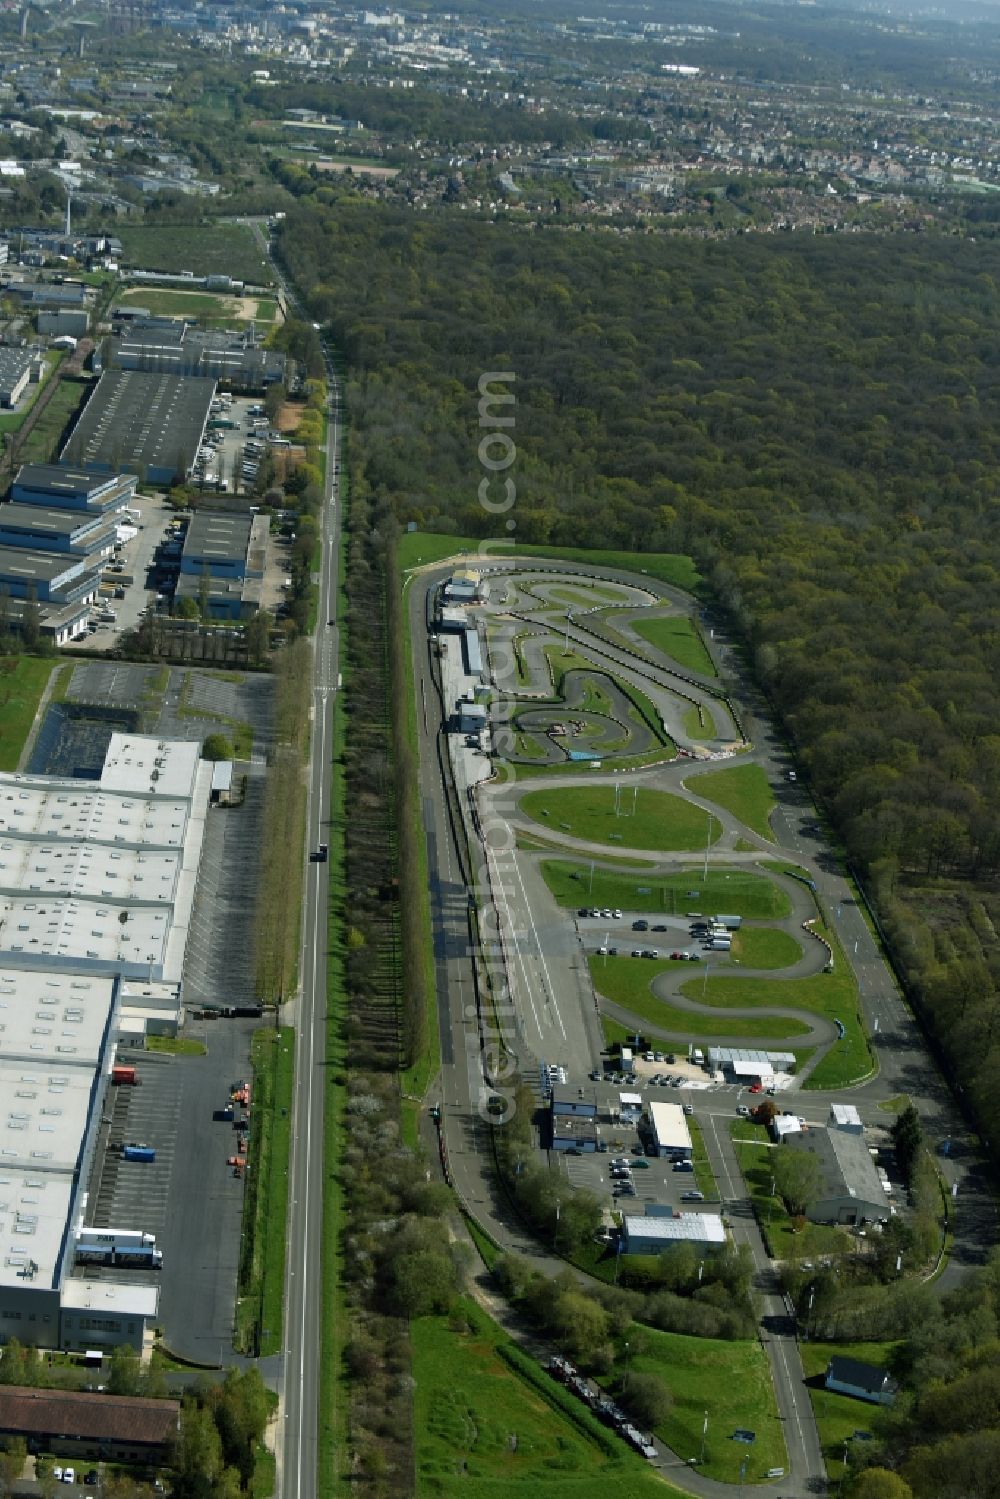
694 728
417 548
22 682
587 595
44 438
730 1381
831 995
840 1416
165 302
260 1307
731 890
210 249
480 1427
677 639
756 1157
743 790
765 947
626 981
655 820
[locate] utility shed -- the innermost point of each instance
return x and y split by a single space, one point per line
845 1116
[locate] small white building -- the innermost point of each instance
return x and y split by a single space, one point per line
630 1106
657 1232
670 1130
846 1116
783 1125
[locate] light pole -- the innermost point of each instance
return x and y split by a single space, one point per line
625 1379
704 1437
701 1270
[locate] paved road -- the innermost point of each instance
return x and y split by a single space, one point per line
299 1382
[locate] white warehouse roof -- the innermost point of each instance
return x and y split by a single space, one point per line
697 1228
670 1126
845 1116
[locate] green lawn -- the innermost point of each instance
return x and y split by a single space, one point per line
765 947
210 249
756 1158
22 682
626 981
166 302
743 790
655 820
480 1426
41 443
261 1301
731 890
840 1416
699 726
731 1381
832 995
418 548
677 638
587 595
704 1176
178 1046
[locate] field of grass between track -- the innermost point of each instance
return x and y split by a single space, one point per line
698 726
678 640
733 891
22 682
839 1417
832 996
482 1426
418 548
730 1381
743 790
626 981
765 947
649 820
755 1154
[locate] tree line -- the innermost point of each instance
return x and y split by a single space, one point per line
815 420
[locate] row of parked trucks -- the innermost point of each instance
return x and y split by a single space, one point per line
611 1414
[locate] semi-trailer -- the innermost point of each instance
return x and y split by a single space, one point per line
115 1236
124 1075
143 1255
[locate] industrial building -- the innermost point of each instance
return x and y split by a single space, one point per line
97 883
465 586
472 652
850 1191
64 320
574 1119
742 1065
670 1132
67 486
223 562
150 425
237 359
846 1116
71 533
659 1230
47 576
16 366
90 1428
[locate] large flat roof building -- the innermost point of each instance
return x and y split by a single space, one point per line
150 424
656 1232
72 532
223 561
174 347
69 486
850 1191
670 1129
96 889
46 575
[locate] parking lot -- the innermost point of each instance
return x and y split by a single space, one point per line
133 560
188 1197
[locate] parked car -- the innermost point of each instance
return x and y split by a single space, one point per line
692 1196
742 1111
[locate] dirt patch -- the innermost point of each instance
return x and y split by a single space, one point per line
357 168
289 416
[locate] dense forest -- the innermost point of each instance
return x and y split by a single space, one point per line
816 419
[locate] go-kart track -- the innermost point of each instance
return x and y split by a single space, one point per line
588 784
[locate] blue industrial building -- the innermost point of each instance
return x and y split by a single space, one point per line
68 486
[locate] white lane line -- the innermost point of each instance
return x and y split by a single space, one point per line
541 956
